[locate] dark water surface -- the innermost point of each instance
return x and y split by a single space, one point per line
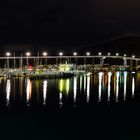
97 106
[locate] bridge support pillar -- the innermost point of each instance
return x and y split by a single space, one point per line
131 64
93 63
40 61
68 60
125 63
101 63
14 61
21 62
27 62
46 61
38 58
76 60
137 63
60 60
7 63
56 61
85 63
34 63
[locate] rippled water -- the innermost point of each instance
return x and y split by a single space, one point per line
102 87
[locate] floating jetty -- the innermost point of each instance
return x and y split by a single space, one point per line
42 75
51 75
61 71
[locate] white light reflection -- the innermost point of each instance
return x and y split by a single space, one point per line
125 82
100 85
75 90
28 92
84 83
133 87
60 93
109 87
80 83
8 90
117 85
88 88
44 92
67 85
60 99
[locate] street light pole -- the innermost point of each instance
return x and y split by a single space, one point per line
14 61
28 54
21 62
8 54
60 54
75 54
45 54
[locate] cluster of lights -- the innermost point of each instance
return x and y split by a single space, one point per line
75 54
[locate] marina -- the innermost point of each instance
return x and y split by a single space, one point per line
44 66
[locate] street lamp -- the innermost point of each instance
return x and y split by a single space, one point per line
99 53
117 54
60 54
45 54
133 56
8 54
124 55
75 53
28 54
108 54
88 53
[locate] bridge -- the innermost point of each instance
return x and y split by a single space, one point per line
88 60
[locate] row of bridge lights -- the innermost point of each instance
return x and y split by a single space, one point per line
61 54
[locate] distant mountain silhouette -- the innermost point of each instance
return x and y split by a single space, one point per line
129 44
122 44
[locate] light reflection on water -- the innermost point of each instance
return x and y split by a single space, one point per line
75 90
103 86
125 82
100 86
28 92
109 85
44 92
8 90
133 87
88 88
117 85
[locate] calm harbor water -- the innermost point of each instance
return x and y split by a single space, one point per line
100 88
103 105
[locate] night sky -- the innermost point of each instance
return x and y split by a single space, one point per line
42 24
